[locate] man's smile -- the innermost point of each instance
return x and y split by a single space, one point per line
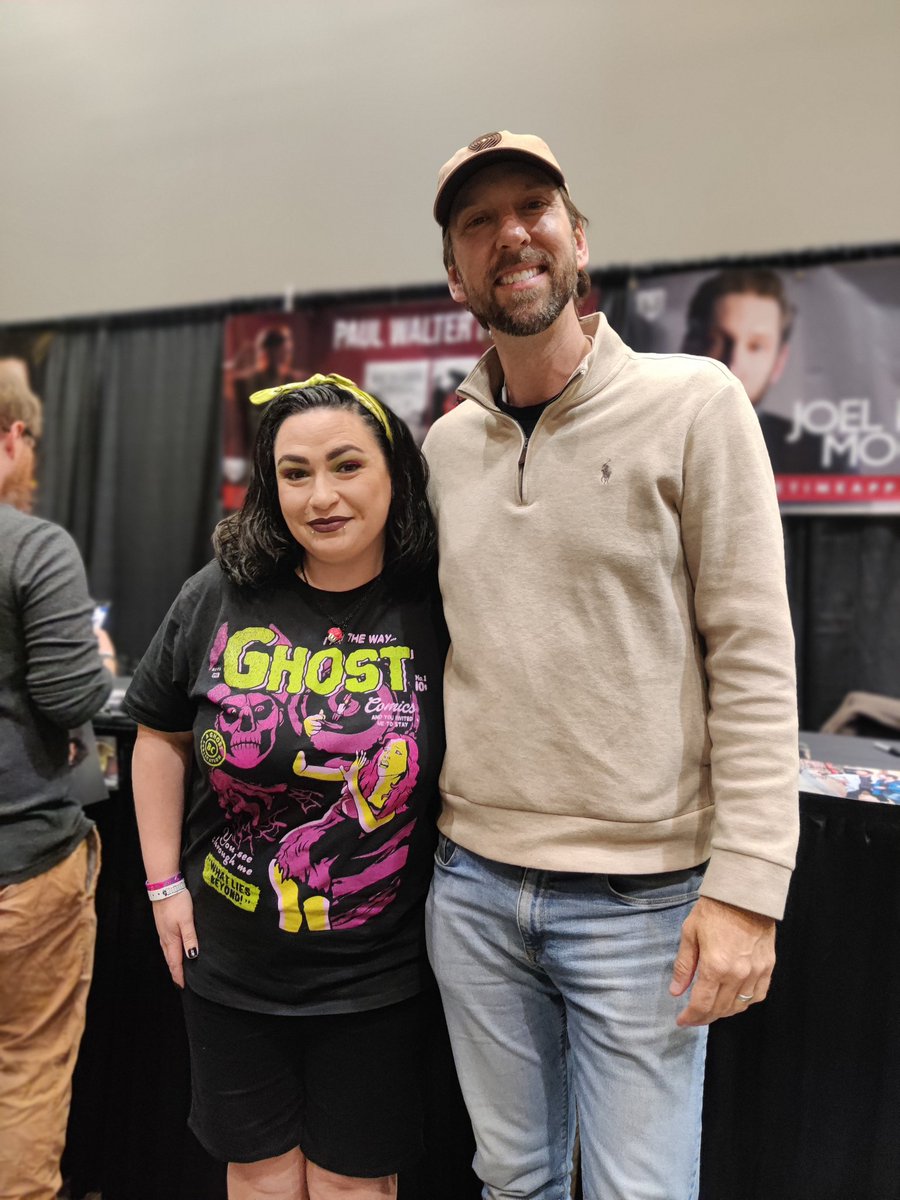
521 275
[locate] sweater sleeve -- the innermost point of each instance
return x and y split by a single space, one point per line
733 542
64 675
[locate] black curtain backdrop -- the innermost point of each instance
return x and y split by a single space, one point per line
130 461
844 588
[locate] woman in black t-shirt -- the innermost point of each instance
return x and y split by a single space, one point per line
285 780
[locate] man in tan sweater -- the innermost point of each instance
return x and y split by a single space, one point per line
620 706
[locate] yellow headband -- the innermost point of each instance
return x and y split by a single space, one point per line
369 403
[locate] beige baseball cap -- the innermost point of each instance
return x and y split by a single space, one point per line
487 149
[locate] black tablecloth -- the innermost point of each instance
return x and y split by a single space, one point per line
802 1096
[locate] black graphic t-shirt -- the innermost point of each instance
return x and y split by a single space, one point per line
310 819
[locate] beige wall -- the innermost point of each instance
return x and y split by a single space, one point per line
159 152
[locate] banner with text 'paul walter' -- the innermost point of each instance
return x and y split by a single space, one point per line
818 352
411 354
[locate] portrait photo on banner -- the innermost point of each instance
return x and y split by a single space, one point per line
816 350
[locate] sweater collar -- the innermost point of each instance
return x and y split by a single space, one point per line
602 361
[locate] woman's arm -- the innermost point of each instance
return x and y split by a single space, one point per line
160 770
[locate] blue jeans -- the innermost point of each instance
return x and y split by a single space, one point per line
556 990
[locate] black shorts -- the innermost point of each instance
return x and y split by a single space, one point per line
345 1088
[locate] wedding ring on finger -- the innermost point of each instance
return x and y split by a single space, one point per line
745 999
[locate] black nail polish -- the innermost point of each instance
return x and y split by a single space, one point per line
193 952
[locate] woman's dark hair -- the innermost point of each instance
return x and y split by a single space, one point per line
254 545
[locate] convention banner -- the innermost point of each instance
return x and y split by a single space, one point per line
261 350
413 355
818 352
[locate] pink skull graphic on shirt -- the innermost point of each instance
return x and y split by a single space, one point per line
248 722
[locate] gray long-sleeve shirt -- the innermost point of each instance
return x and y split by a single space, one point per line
51 679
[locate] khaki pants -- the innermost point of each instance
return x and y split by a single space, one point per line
47 930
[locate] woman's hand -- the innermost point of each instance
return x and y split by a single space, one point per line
175 925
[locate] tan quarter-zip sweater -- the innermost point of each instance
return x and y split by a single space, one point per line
620 694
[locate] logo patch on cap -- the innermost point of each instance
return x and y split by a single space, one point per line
485 142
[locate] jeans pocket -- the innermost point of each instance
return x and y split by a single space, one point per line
665 889
445 851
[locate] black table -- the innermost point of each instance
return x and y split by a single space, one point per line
803 1092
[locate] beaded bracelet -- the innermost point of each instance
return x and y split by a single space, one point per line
152 887
164 893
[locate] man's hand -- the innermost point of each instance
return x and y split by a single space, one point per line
729 953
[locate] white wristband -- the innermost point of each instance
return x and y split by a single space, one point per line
164 893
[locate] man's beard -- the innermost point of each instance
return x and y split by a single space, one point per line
523 314
17 489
